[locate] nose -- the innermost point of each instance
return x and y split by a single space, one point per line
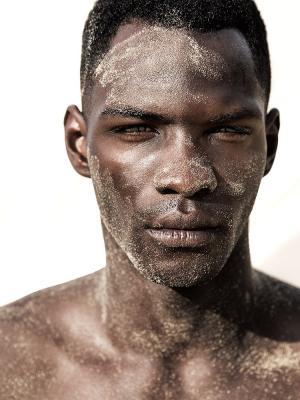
186 175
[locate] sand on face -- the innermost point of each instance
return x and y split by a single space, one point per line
125 64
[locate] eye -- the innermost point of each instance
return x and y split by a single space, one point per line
135 132
229 133
135 129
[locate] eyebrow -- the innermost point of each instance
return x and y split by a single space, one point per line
236 115
133 112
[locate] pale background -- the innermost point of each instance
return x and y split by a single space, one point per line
49 223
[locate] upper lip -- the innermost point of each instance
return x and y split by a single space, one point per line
178 221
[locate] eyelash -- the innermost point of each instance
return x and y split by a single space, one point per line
134 128
232 129
138 130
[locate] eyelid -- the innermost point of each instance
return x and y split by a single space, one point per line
234 128
120 129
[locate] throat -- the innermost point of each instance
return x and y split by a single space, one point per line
153 319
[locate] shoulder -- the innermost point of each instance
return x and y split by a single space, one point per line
31 335
277 308
272 343
26 354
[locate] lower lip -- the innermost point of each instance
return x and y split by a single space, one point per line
183 238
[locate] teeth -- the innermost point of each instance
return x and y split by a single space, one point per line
181 237
176 234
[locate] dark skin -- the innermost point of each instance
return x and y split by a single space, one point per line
174 315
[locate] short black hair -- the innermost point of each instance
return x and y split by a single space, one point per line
107 16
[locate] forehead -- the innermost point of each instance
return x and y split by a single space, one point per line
149 64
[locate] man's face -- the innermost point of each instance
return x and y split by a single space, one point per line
177 148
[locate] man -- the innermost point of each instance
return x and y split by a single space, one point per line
176 135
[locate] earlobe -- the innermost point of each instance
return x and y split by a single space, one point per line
76 140
272 131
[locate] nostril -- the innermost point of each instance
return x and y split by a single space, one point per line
167 191
204 192
187 193
193 183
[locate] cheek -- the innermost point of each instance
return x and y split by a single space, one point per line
241 168
239 173
109 198
135 168
117 181
239 179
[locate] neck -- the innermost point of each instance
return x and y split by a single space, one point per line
146 316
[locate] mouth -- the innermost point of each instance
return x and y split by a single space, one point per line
189 238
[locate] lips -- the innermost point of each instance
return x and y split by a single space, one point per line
180 221
181 230
183 238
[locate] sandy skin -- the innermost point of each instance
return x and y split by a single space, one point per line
58 344
173 315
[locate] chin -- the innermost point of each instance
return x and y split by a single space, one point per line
175 274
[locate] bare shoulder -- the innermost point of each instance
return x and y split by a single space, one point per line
33 332
277 313
26 354
278 307
272 347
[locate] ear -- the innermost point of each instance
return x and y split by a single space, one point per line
76 140
272 131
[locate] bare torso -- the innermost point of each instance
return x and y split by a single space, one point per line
54 346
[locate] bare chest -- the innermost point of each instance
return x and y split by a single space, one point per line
195 381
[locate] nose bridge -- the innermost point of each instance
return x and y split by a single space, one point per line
185 169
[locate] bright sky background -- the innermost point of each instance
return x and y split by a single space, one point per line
49 222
